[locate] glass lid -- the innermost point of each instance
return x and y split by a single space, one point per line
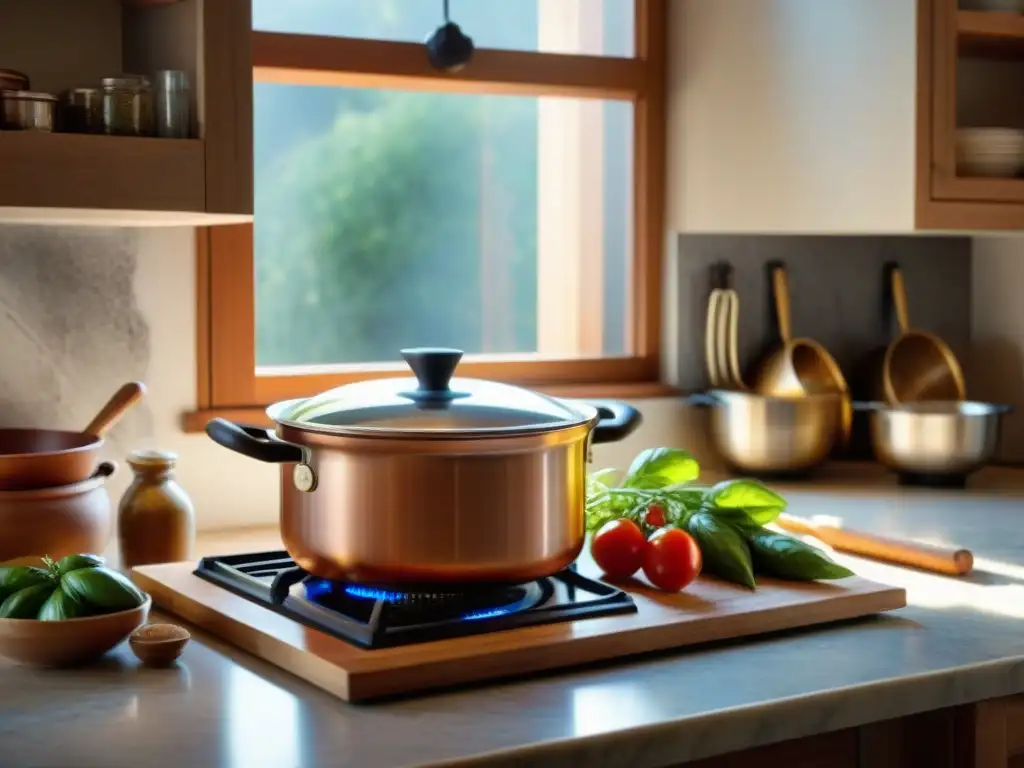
432 402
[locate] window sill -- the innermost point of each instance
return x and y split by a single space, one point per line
195 421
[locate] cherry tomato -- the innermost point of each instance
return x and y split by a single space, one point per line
672 559
618 548
655 516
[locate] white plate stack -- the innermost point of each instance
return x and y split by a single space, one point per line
990 152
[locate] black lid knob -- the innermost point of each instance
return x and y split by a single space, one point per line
433 366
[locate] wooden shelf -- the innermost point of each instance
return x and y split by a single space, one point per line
979 189
110 180
990 34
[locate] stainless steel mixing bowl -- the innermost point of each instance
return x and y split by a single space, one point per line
935 437
766 434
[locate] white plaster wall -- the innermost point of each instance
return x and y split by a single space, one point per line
779 121
230 490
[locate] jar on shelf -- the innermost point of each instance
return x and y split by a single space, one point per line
155 517
172 104
27 110
127 106
82 111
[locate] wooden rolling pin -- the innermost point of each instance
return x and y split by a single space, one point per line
954 562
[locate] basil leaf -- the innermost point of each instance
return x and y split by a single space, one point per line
722 548
747 517
776 554
602 478
661 468
744 494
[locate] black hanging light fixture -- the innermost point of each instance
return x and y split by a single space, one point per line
449 48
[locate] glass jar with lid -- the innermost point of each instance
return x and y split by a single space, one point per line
127 106
156 518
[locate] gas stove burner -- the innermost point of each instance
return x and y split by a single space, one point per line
485 602
385 595
376 617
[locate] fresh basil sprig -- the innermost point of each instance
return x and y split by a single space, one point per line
726 519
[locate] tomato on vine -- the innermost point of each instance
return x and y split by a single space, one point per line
671 559
655 516
618 548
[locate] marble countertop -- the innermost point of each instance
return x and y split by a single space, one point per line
958 641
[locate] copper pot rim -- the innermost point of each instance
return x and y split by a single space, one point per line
588 416
460 442
103 471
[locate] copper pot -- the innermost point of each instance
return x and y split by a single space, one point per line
65 520
431 480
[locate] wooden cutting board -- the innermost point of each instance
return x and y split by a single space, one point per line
706 611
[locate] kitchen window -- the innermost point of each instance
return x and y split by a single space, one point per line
512 209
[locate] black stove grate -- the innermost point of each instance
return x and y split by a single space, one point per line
372 617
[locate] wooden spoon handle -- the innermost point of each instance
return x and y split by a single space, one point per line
126 397
899 300
780 286
954 562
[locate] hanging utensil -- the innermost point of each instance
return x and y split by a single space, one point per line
918 365
711 332
731 301
800 366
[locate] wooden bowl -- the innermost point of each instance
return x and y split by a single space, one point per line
65 643
158 645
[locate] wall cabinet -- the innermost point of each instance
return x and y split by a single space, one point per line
69 178
800 116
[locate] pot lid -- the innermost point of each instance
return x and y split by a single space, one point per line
433 403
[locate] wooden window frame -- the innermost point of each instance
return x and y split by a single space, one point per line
228 382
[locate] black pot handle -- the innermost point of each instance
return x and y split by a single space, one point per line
618 421
255 442
104 470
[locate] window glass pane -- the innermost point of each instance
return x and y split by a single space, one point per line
596 27
386 219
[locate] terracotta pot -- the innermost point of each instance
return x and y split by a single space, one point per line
58 521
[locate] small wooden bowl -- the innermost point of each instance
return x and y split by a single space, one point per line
158 645
66 643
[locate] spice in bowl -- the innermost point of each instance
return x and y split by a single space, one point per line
158 645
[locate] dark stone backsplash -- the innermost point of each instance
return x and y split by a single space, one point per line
835 286
70 330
